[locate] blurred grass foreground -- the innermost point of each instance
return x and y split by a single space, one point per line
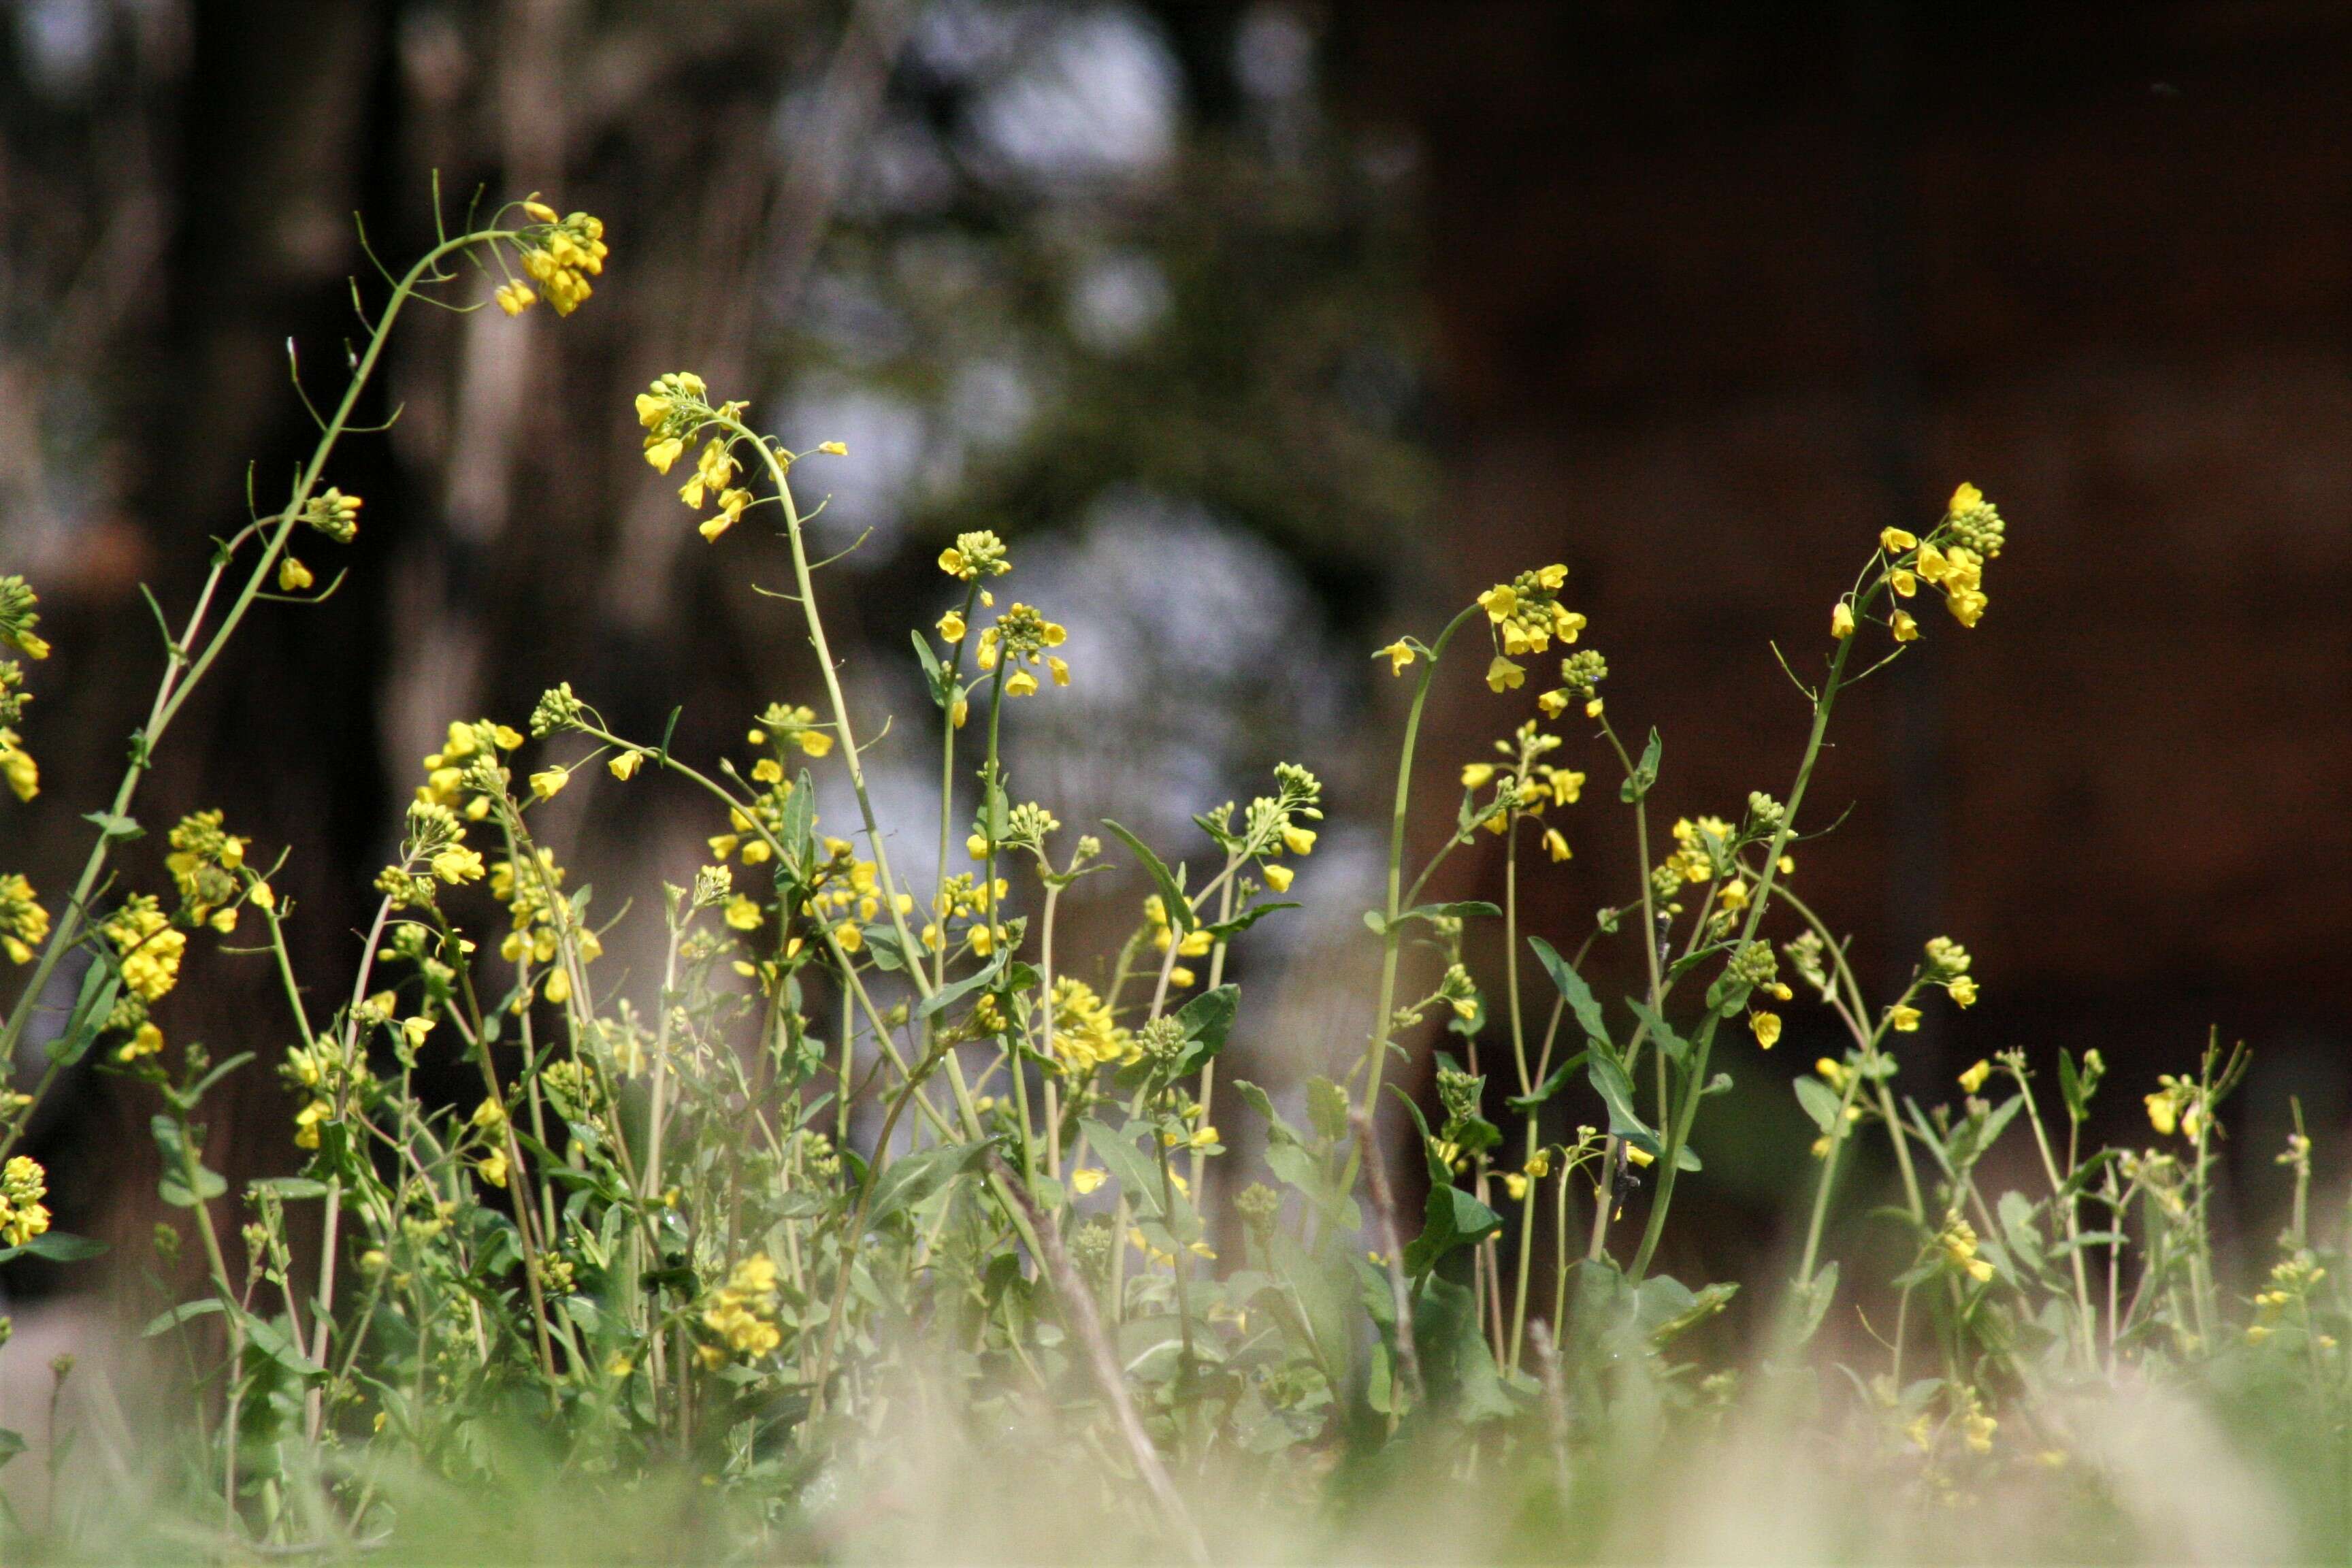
886 1207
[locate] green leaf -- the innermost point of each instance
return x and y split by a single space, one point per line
278 1346
1206 1020
164 1321
1550 1086
1645 772
293 1189
100 983
56 1245
1449 1220
113 827
1462 908
11 1445
1676 1050
1820 1101
934 678
956 990
2070 1085
204 1085
1137 1175
1616 1091
1171 896
1571 987
909 1180
1249 917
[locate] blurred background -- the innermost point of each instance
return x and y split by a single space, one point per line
1263 330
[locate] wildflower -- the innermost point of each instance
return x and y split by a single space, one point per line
1502 675
624 766
1958 1241
1895 540
1903 1019
1475 775
17 767
146 1040
548 783
1021 684
741 1311
951 625
1515 1183
334 514
1398 654
975 555
23 1185
1842 621
1905 585
1974 1079
1298 841
1976 1430
456 864
1963 991
1906 628
560 255
1639 1155
1526 615
833 449
1278 877
19 614
1086 1180
713 470
743 914
1766 1026
493 1167
148 947
731 504
514 297
1555 845
292 576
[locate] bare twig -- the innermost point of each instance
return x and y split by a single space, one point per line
1078 1314
1376 1166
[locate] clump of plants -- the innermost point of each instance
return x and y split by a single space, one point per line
877 1156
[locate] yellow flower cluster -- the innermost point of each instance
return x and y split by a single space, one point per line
531 897
17 767
671 411
2177 1105
203 862
742 1312
445 770
965 897
1957 1242
973 556
23 1185
1525 615
1952 558
561 254
334 514
23 923
148 948
1086 1035
19 614
781 726
848 892
1020 639
1197 942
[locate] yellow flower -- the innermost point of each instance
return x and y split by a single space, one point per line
1904 583
1020 683
1398 654
455 864
1474 776
1974 1079
712 472
1904 1019
833 449
1278 878
493 1167
23 1185
1499 602
624 766
548 783
146 1040
744 913
1640 1156
17 767
1555 845
731 504
1298 841
1766 1026
1503 674
1515 1185
1059 668
292 576
661 454
1895 540
1967 605
488 1114
1906 628
1842 621
1554 703
1977 1427
2163 1113
1086 1179
515 296
951 625
1964 498
1963 991
1592 708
